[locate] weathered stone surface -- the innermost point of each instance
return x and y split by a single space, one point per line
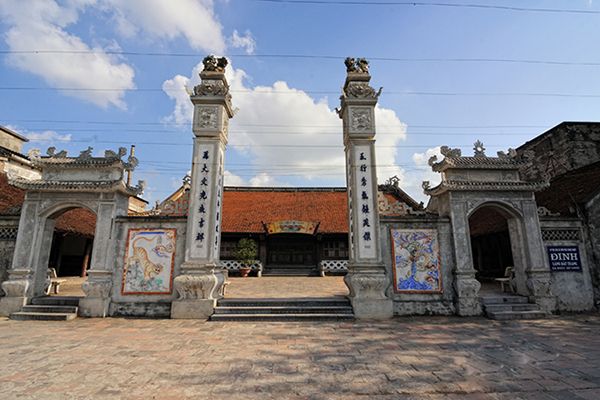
467 294
442 358
193 309
403 308
140 309
367 294
366 278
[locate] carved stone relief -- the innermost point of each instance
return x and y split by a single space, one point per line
361 119
207 117
361 90
195 287
211 88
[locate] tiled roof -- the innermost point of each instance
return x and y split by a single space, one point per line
477 163
77 162
77 221
244 210
11 198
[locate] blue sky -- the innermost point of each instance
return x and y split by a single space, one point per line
285 103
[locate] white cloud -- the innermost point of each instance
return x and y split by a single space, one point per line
47 137
191 19
175 88
245 42
261 180
44 25
232 179
41 25
275 124
422 172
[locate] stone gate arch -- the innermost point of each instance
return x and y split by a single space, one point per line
515 220
471 183
97 184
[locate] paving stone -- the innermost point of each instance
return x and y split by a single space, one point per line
405 358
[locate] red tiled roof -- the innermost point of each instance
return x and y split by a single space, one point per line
78 221
245 210
11 198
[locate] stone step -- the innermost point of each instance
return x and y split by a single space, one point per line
514 315
290 272
55 301
50 309
284 302
511 307
42 316
485 300
290 266
283 310
281 317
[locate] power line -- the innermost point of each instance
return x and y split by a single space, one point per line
286 133
104 122
397 93
318 56
431 4
92 141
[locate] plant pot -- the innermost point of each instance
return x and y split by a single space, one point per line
244 272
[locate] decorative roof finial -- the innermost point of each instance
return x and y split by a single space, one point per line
214 64
479 149
357 66
450 152
393 181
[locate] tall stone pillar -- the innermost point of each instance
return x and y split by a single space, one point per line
199 285
465 283
366 278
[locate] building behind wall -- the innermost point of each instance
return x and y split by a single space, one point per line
295 228
569 156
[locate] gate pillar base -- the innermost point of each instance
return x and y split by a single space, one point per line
16 289
372 309
95 307
367 292
9 305
192 309
97 294
467 294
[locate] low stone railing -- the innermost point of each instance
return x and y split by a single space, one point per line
233 265
333 266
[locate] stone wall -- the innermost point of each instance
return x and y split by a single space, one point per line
146 305
566 147
8 238
421 303
10 142
592 234
573 289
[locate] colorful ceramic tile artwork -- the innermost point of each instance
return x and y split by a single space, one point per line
416 259
149 261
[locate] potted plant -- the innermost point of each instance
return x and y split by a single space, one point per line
245 254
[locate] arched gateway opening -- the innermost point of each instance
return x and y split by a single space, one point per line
70 251
493 231
65 250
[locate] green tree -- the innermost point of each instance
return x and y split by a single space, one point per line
246 252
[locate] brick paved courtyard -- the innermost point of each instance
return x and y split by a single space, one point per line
425 358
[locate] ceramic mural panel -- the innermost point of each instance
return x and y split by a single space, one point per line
416 261
149 261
